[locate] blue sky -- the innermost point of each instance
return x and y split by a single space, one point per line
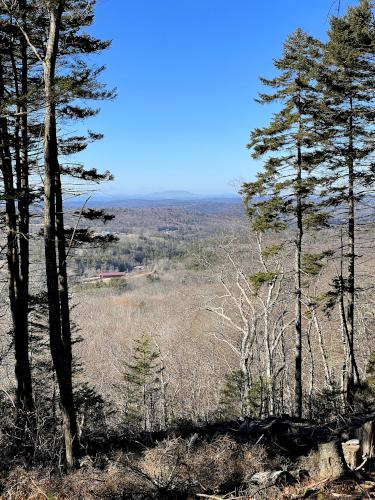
187 73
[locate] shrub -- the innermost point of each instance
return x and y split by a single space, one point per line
210 467
153 277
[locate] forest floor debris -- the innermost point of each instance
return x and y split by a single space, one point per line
224 461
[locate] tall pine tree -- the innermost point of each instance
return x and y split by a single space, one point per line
53 32
281 197
347 78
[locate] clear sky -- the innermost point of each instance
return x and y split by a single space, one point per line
187 73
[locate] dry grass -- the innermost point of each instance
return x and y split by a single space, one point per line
174 468
177 470
89 483
212 467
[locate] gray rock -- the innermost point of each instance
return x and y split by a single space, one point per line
273 478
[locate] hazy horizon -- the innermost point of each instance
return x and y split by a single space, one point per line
187 74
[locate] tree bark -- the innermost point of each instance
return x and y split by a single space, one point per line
24 191
17 298
58 302
298 288
322 347
353 375
67 398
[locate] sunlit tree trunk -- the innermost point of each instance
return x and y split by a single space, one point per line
60 340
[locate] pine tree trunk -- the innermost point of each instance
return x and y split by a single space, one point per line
344 329
71 420
24 211
17 299
353 375
60 345
24 202
298 292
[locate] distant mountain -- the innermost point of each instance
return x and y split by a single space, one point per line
179 195
169 195
157 199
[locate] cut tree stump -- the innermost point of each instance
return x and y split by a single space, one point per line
367 439
352 453
331 461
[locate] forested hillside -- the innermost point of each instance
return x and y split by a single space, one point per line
189 348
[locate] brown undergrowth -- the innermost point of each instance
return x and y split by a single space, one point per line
174 469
